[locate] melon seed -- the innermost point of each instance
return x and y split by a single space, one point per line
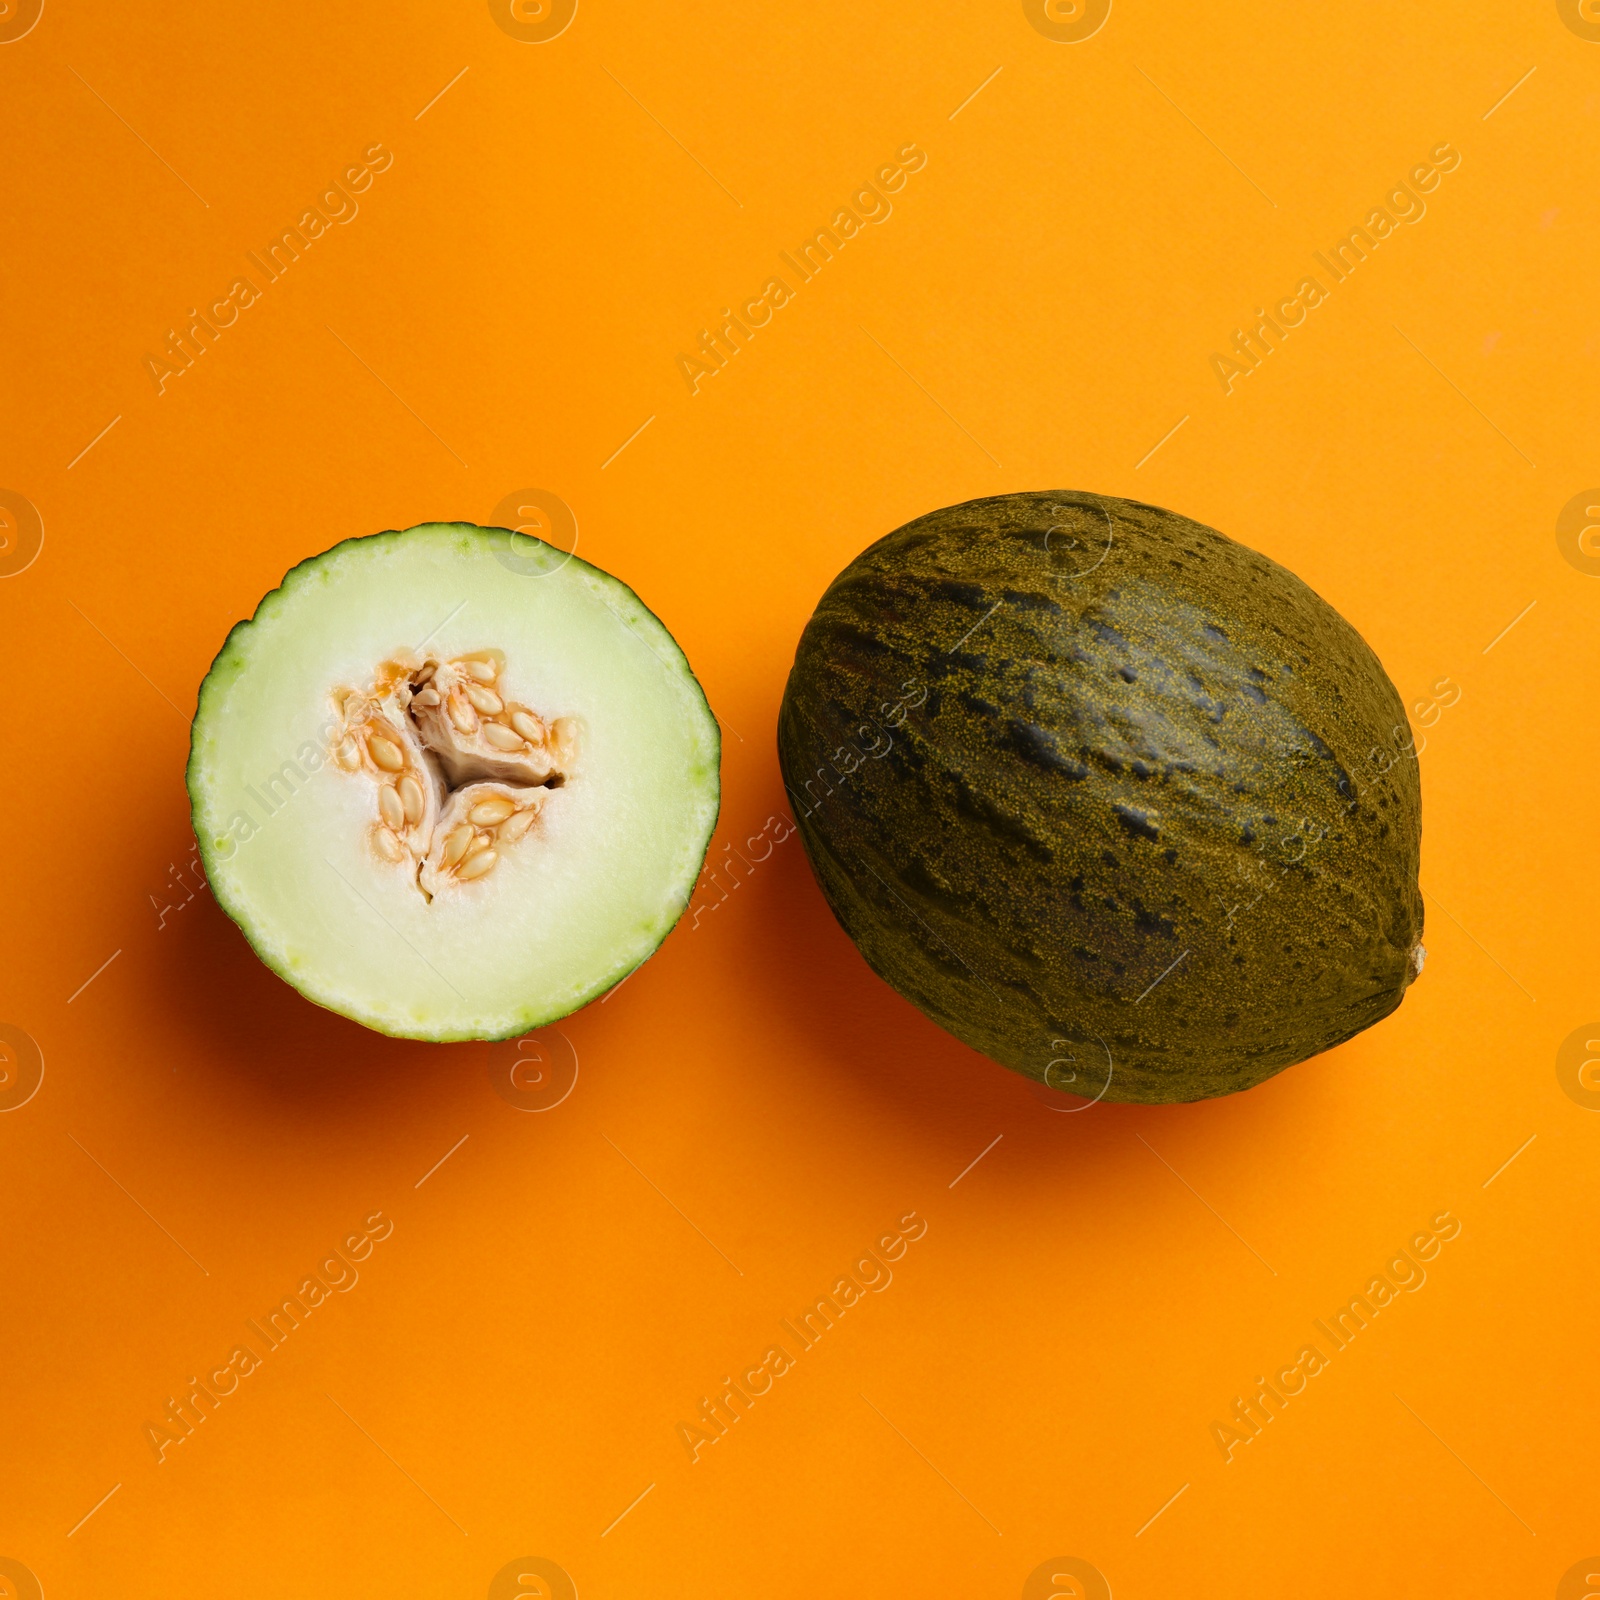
388 845
488 812
513 828
501 737
411 799
461 714
426 673
386 753
456 845
482 671
390 808
529 726
486 700
564 738
477 866
425 697
349 756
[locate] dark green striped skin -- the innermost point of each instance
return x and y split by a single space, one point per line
1087 781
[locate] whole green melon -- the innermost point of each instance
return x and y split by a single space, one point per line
1115 800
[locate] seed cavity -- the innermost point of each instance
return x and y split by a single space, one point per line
460 769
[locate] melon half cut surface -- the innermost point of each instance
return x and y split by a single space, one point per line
452 782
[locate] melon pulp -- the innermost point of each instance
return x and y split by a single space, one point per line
452 782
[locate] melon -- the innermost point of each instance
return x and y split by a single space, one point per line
452 782
1115 800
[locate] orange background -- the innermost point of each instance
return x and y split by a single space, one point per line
754 1108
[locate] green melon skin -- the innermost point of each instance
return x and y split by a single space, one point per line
569 911
1120 803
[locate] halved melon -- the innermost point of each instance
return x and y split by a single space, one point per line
452 782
